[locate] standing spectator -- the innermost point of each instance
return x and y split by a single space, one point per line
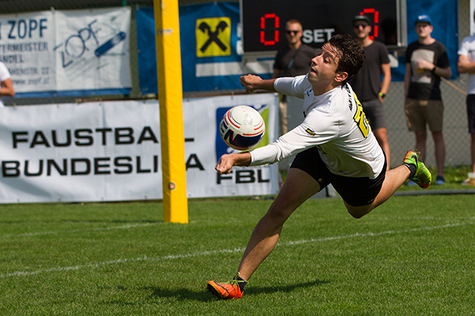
6 88
367 83
426 63
466 64
292 60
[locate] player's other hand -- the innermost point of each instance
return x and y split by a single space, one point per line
250 82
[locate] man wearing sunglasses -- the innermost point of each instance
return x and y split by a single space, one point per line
367 83
292 60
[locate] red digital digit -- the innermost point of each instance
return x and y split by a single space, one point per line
276 24
375 13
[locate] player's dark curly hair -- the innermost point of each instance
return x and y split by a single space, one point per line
350 54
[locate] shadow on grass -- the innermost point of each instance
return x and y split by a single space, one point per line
205 296
286 289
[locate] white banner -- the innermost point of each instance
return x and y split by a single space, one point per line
76 52
110 151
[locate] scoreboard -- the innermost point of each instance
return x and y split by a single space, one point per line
263 21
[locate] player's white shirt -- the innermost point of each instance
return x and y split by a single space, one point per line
329 124
467 48
4 75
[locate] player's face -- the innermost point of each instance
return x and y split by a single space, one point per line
362 29
324 66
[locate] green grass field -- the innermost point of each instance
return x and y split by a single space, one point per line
412 256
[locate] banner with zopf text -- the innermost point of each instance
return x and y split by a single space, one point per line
67 53
110 151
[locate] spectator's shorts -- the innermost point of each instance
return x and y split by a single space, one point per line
374 111
420 113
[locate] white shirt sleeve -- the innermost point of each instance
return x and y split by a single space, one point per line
4 74
317 128
463 50
291 86
287 145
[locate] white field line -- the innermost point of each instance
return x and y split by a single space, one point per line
214 252
79 230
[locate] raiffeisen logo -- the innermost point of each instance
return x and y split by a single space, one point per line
221 147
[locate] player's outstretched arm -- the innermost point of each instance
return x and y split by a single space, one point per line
253 82
226 162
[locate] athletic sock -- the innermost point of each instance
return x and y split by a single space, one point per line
412 168
241 282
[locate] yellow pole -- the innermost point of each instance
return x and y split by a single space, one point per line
170 97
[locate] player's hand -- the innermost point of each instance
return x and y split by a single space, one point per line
250 82
225 164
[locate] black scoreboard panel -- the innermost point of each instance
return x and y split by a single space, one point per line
263 21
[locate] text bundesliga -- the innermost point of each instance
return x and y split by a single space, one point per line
79 166
85 165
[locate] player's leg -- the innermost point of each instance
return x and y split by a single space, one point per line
384 186
394 179
300 184
297 188
412 168
358 193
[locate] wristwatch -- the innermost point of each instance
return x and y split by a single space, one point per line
382 95
433 69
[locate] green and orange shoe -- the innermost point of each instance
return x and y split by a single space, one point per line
225 290
422 175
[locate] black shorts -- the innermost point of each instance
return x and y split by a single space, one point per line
374 111
354 191
471 113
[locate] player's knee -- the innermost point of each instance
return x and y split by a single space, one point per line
357 215
358 212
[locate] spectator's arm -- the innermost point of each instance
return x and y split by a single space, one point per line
386 70
464 65
443 72
407 79
7 88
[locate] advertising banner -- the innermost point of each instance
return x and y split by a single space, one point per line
212 53
67 53
110 151
211 49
